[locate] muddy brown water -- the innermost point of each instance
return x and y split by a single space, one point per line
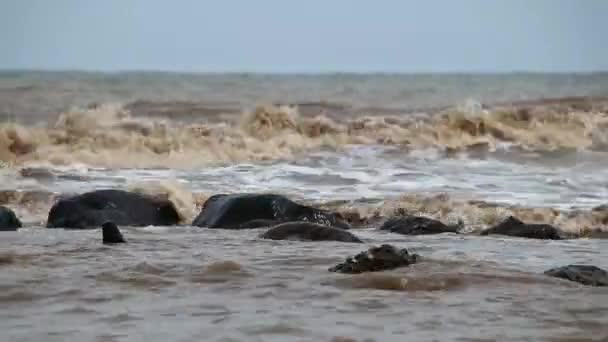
371 144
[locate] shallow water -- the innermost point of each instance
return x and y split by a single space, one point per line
190 284
186 284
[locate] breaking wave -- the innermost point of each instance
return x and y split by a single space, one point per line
109 136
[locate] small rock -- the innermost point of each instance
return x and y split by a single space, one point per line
417 225
375 259
8 220
584 274
514 227
111 233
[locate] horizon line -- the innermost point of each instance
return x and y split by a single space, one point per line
295 72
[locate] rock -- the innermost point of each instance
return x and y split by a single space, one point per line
417 225
236 210
375 259
584 274
514 227
92 209
8 220
111 233
308 231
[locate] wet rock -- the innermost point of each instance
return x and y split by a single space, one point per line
514 227
8 220
90 210
111 234
375 259
308 231
236 210
584 274
417 225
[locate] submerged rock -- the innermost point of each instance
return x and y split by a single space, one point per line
239 211
417 225
308 231
375 259
584 274
92 209
8 220
514 227
111 233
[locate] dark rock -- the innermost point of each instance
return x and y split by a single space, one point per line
8 220
92 209
375 259
417 225
584 274
234 211
514 227
308 231
111 233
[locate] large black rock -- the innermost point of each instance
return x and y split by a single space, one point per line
384 257
8 220
514 227
584 274
237 211
307 231
92 209
417 225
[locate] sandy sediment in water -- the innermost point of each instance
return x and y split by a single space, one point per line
109 136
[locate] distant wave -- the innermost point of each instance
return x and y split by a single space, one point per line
109 135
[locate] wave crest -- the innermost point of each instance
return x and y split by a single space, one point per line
108 136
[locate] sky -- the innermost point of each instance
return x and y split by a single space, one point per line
305 36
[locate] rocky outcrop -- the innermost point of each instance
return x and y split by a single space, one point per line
92 209
306 231
584 274
239 211
417 225
514 227
384 257
8 220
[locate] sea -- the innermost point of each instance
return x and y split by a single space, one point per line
468 148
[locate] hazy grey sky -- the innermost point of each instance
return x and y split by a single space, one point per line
305 35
